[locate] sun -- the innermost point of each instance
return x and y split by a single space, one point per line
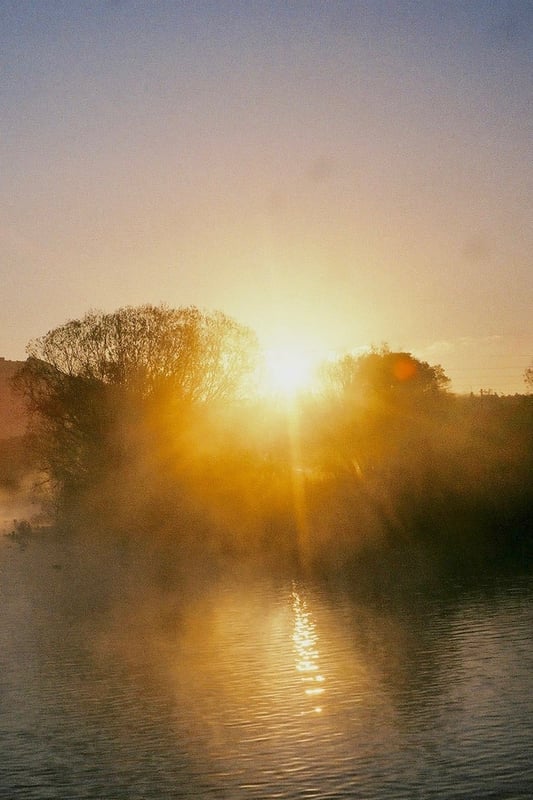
287 372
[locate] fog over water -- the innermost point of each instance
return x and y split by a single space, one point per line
118 681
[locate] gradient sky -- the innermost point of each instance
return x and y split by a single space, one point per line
333 174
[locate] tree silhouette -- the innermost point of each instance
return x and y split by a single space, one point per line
384 375
528 379
93 384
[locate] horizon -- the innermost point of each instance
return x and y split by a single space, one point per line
283 373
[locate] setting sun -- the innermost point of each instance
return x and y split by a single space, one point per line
287 371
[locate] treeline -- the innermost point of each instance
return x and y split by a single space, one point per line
144 423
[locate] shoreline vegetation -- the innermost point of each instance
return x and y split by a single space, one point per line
144 436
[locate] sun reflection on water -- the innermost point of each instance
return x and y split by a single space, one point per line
305 640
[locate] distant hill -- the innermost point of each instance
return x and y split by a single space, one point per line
12 415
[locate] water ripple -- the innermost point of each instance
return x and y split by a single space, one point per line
262 691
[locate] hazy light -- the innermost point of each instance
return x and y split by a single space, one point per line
287 371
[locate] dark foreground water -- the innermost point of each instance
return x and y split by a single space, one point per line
257 689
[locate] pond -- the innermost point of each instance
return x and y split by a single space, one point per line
255 687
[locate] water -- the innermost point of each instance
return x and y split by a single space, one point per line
255 688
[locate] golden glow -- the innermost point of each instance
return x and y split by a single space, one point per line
287 371
305 641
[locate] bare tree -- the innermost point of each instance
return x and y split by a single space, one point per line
91 383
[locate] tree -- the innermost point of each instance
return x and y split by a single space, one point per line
381 407
528 379
93 383
200 356
385 375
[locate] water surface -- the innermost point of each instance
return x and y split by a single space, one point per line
248 687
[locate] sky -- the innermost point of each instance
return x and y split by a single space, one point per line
332 174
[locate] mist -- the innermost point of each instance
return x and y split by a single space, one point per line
379 472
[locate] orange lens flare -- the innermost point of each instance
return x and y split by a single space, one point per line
404 369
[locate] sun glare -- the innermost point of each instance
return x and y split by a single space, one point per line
287 372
